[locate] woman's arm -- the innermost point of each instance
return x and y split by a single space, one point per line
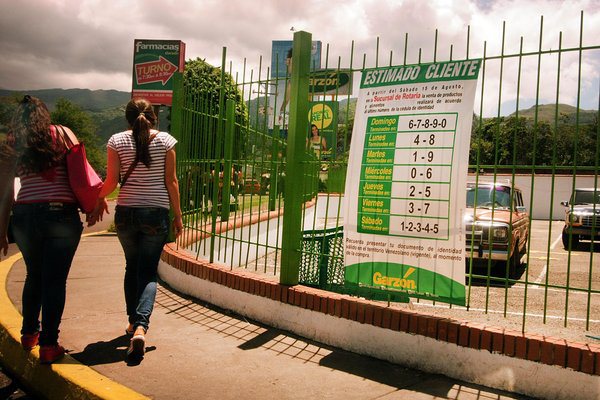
6 201
7 187
172 185
113 166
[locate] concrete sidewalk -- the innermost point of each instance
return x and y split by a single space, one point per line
196 351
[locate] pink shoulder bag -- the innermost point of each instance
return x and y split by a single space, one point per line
84 181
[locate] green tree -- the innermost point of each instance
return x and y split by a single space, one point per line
483 143
204 143
8 105
203 86
71 115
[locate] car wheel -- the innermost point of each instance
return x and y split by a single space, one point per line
565 240
514 262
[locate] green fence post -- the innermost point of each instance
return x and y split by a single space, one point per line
291 240
176 129
228 155
177 105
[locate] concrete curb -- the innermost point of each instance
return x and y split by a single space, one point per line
67 379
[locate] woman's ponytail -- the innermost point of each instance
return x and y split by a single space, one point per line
141 118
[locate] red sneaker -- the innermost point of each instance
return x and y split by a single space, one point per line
51 353
30 340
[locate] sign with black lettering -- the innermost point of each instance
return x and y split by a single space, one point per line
403 221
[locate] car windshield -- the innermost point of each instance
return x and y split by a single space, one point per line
586 197
488 197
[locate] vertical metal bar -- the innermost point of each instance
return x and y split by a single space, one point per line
577 130
246 173
292 228
575 153
228 157
477 166
244 160
512 184
435 45
260 144
468 40
377 53
554 146
217 156
496 161
405 48
176 115
595 226
531 200
274 168
177 106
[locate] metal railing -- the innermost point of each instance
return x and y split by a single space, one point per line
256 197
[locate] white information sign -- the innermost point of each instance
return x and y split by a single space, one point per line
407 177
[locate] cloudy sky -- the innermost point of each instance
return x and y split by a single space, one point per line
89 43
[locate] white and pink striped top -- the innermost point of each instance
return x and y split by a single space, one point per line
45 187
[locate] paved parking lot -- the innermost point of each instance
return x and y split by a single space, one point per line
553 294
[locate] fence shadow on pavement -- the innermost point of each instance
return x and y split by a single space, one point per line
254 335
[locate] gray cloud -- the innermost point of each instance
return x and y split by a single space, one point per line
89 43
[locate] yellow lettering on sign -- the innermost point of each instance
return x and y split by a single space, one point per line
390 281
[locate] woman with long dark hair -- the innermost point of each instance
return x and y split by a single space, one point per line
45 222
143 159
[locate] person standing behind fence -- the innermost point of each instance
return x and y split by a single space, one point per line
142 211
45 222
316 142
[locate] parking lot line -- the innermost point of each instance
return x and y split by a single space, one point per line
540 277
558 240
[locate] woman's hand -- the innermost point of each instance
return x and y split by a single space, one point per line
177 226
98 212
4 244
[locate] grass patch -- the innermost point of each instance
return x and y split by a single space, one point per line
113 195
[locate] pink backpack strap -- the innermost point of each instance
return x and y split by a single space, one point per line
64 134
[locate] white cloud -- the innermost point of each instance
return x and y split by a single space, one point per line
89 43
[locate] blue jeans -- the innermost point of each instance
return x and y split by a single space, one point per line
47 235
143 233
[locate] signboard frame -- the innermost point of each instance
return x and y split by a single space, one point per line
154 63
403 222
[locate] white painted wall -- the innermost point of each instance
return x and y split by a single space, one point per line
542 197
541 190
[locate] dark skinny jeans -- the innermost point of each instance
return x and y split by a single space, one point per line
47 235
142 232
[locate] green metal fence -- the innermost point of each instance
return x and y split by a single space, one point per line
241 165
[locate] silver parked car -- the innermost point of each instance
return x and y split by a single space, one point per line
582 217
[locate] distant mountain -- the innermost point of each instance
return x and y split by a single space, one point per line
109 121
88 100
347 107
105 107
566 114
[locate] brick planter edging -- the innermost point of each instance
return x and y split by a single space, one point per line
581 357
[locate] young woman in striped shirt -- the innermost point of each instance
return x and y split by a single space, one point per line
142 211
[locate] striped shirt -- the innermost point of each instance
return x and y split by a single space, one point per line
145 186
50 186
